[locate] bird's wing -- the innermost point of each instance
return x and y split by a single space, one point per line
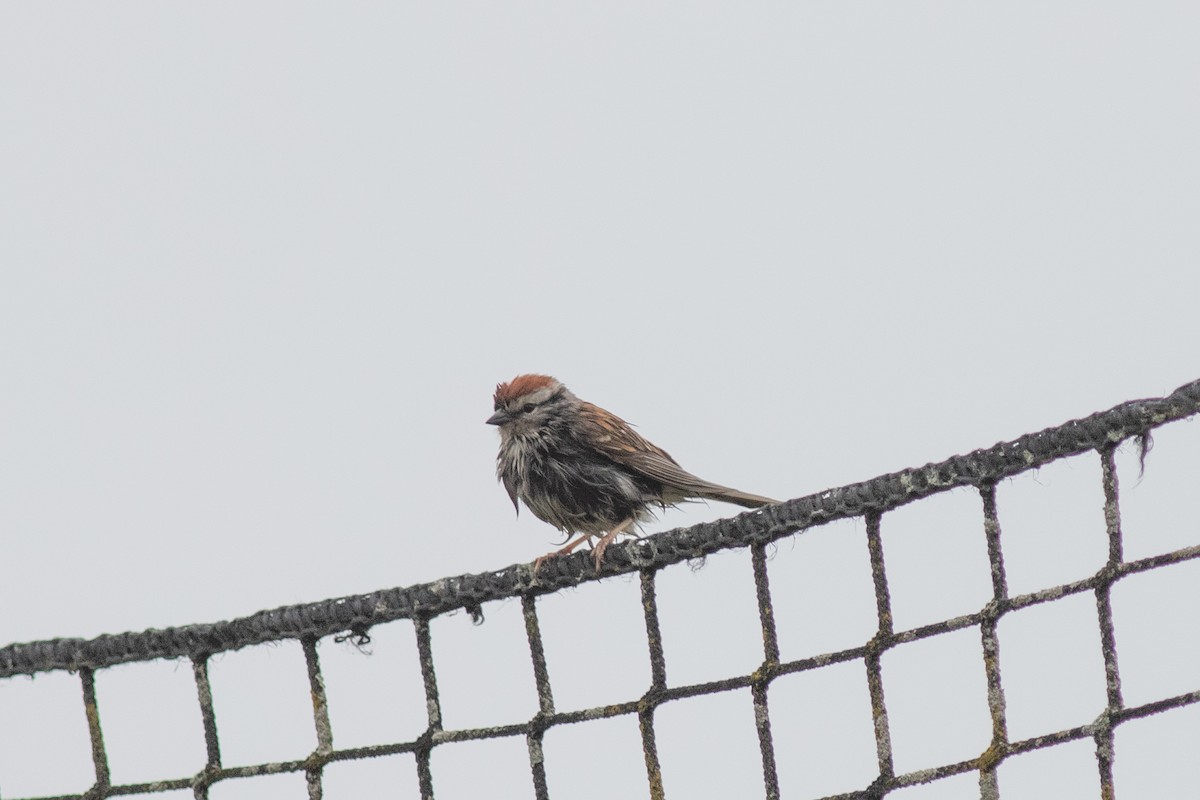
616 439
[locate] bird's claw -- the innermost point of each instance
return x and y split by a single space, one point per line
598 553
537 562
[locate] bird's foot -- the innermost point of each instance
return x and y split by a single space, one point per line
606 540
537 562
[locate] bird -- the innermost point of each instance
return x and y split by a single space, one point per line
585 470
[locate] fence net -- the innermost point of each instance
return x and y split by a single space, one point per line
755 531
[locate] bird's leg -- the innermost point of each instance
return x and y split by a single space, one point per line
537 562
606 540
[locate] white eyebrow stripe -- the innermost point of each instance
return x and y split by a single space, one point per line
538 397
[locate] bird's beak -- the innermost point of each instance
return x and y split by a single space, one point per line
499 418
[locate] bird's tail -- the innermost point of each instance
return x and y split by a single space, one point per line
727 495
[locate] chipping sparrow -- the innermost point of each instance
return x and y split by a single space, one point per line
585 470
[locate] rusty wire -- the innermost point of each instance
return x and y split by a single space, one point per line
871 500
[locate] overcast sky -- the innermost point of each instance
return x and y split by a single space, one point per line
263 264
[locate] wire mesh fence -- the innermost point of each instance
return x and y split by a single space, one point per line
870 501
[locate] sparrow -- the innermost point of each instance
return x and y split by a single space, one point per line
585 470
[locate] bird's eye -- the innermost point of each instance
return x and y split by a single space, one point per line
527 407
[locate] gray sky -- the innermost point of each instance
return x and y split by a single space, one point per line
264 263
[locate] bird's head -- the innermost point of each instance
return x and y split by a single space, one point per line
527 403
